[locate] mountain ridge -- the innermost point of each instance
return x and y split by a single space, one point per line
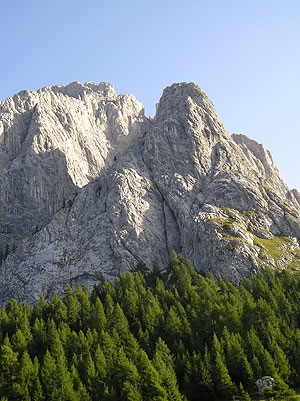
92 187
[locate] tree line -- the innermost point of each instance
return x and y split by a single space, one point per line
158 335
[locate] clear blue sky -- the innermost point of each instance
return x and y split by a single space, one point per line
245 54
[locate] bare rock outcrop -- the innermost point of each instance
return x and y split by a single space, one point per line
91 187
54 142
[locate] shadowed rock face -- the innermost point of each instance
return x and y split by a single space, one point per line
91 186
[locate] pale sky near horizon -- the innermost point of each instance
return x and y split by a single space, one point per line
244 54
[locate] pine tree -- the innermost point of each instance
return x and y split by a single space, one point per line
102 374
58 310
151 387
73 308
119 322
163 363
88 372
221 378
29 386
267 364
56 379
176 326
37 390
129 392
53 341
295 357
149 315
15 315
109 305
281 363
109 348
222 381
39 335
237 363
79 389
180 275
49 380
256 368
19 342
98 319
243 394
125 371
83 296
41 309
205 376
8 369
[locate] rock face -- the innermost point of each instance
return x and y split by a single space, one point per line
90 187
54 142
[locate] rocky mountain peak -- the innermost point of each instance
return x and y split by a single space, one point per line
186 101
90 187
182 92
78 90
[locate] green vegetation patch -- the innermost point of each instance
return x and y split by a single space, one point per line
236 215
233 242
223 222
294 265
228 223
250 214
277 248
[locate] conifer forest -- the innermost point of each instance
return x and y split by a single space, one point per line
155 335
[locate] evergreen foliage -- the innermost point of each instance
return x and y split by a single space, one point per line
158 335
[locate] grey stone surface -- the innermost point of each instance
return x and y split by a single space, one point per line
90 187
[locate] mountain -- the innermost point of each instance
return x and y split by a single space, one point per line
90 187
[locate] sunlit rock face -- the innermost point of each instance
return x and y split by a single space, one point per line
91 187
54 142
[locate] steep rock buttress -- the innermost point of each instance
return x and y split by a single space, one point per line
95 187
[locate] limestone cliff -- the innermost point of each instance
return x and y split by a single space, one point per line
90 186
55 141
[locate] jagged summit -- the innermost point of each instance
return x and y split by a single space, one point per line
74 89
180 93
91 186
